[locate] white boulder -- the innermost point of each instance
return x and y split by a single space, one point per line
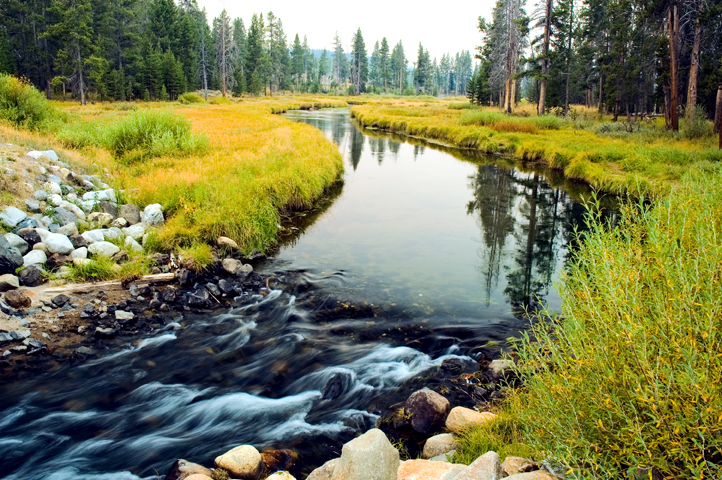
58 243
92 236
11 216
103 249
153 214
34 257
49 154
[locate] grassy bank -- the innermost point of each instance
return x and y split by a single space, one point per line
630 379
218 169
584 147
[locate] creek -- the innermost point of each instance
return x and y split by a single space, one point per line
423 256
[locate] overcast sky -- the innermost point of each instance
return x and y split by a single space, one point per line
440 27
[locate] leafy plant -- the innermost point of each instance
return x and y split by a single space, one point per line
24 106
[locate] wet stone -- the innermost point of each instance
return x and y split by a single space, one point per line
213 289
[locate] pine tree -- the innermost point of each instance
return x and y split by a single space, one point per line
375 66
297 54
239 56
255 56
359 63
384 64
398 67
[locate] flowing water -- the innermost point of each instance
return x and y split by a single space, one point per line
422 256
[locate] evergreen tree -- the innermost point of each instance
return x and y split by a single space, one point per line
398 67
224 47
422 74
297 61
322 66
239 56
384 64
374 66
255 56
278 57
359 63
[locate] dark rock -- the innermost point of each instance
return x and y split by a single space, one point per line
8 310
29 222
89 309
131 213
31 276
107 207
256 256
164 308
104 332
155 271
428 410
17 298
67 308
198 298
182 469
213 288
77 240
30 236
60 300
84 351
226 287
64 216
337 384
160 258
133 290
278 460
154 304
10 258
185 277
56 261
169 295
145 290
452 364
121 257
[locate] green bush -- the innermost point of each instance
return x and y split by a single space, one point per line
482 118
24 106
547 122
698 126
220 101
462 106
190 97
148 134
630 377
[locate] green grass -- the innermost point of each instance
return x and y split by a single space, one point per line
189 98
101 269
23 106
198 257
631 375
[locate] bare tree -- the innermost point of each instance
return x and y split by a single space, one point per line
224 50
673 60
549 4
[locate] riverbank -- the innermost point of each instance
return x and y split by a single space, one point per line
639 157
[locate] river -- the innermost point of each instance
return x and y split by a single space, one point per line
423 256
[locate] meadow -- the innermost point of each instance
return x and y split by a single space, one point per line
618 157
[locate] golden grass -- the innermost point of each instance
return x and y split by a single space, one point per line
258 164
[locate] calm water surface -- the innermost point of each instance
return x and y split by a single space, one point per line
421 256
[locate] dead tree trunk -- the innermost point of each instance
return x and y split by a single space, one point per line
545 61
673 49
693 72
718 111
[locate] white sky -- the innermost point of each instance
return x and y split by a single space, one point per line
440 27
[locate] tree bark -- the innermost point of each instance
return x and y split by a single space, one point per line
545 62
693 72
81 81
718 111
673 49
569 59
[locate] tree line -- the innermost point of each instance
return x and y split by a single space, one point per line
159 49
626 57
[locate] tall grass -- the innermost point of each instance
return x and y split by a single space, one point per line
631 376
506 123
22 105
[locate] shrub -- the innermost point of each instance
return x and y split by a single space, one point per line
220 101
24 106
630 377
148 134
698 126
190 97
547 122
462 106
481 118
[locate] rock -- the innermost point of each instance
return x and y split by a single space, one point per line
56 261
281 476
103 249
100 195
160 258
105 332
33 206
9 282
78 241
71 197
120 257
65 216
225 242
10 257
133 246
55 199
92 236
30 236
11 216
153 215
52 188
40 195
136 232
108 208
439 444
500 367
275 460
112 233
226 287
444 457
325 471
81 262
198 476
242 462
57 243
41 247
538 475
461 418
426 470
19 334
17 242
232 266
100 218
60 300
246 270
27 223
486 467
169 295
49 154
56 180
31 276
64 272
130 212
198 298
368 457
119 223
68 230
17 298
35 257
81 252
427 409
182 469
514 465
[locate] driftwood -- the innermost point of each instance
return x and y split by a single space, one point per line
89 287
